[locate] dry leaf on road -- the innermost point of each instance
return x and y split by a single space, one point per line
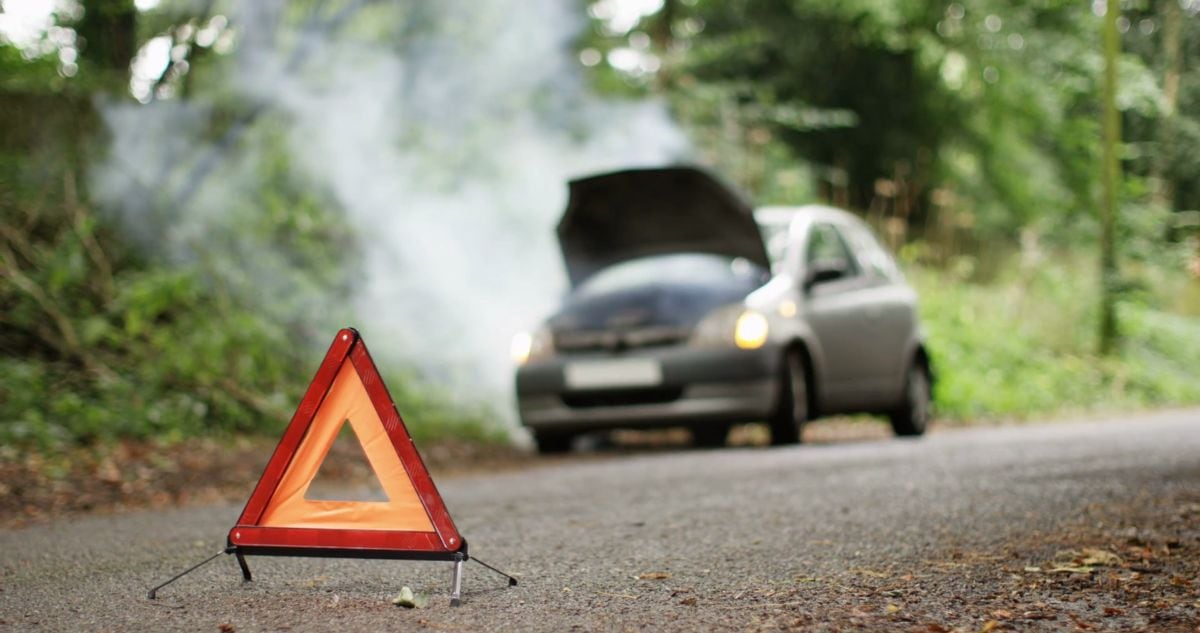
1099 557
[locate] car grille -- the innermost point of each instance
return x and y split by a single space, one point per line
593 340
618 397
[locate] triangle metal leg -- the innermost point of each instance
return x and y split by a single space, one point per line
456 584
153 593
512 582
245 568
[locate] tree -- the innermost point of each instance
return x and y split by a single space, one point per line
987 104
1110 178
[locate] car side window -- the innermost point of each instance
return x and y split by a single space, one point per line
825 244
873 255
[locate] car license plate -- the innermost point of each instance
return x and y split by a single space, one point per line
613 373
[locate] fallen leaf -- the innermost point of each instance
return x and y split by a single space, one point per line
688 602
108 472
1099 557
1001 614
654 575
225 628
312 583
1079 622
990 625
407 599
1112 612
1064 555
1070 569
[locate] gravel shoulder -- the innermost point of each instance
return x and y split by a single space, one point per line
1090 526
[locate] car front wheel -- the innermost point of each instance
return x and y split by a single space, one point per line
791 411
552 442
710 435
912 416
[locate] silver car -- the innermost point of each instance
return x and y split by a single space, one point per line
688 308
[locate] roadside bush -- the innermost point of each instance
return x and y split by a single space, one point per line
101 344
1024 345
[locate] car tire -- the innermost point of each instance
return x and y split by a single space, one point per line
711 435
791 410
553 442
912 416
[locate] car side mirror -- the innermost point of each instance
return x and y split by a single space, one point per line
824 271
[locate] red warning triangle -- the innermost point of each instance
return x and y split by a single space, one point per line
279 519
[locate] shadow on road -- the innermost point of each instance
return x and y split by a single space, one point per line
842 430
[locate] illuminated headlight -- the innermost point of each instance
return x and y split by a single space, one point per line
733 324
527 347
751 330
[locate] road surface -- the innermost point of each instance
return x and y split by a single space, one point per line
730 539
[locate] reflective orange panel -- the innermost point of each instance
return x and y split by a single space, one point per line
347 400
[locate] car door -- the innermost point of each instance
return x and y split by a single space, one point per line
891 308
844 314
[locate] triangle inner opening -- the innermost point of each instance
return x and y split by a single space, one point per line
345 474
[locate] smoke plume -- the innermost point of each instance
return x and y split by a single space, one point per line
443 133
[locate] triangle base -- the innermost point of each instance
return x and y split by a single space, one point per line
319 540
332 552
456 557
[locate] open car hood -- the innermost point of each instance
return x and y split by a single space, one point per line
622 215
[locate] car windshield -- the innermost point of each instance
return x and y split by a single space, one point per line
775 237
676 268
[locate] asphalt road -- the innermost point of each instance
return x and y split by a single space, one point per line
711 527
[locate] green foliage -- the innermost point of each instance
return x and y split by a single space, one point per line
100 344
981 108
103 337
165 314
1022 345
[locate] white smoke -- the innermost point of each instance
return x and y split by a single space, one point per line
445 132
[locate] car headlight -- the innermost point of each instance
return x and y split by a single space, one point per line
732 324
535 346
750 332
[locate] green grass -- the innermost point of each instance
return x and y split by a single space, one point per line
1024 345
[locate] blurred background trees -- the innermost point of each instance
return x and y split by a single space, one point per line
990 110
968 132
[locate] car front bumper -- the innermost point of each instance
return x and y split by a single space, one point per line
697 386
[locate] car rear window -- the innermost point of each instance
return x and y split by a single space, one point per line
676 268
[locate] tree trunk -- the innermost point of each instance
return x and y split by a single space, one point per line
1110 177
1162 187
109 33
